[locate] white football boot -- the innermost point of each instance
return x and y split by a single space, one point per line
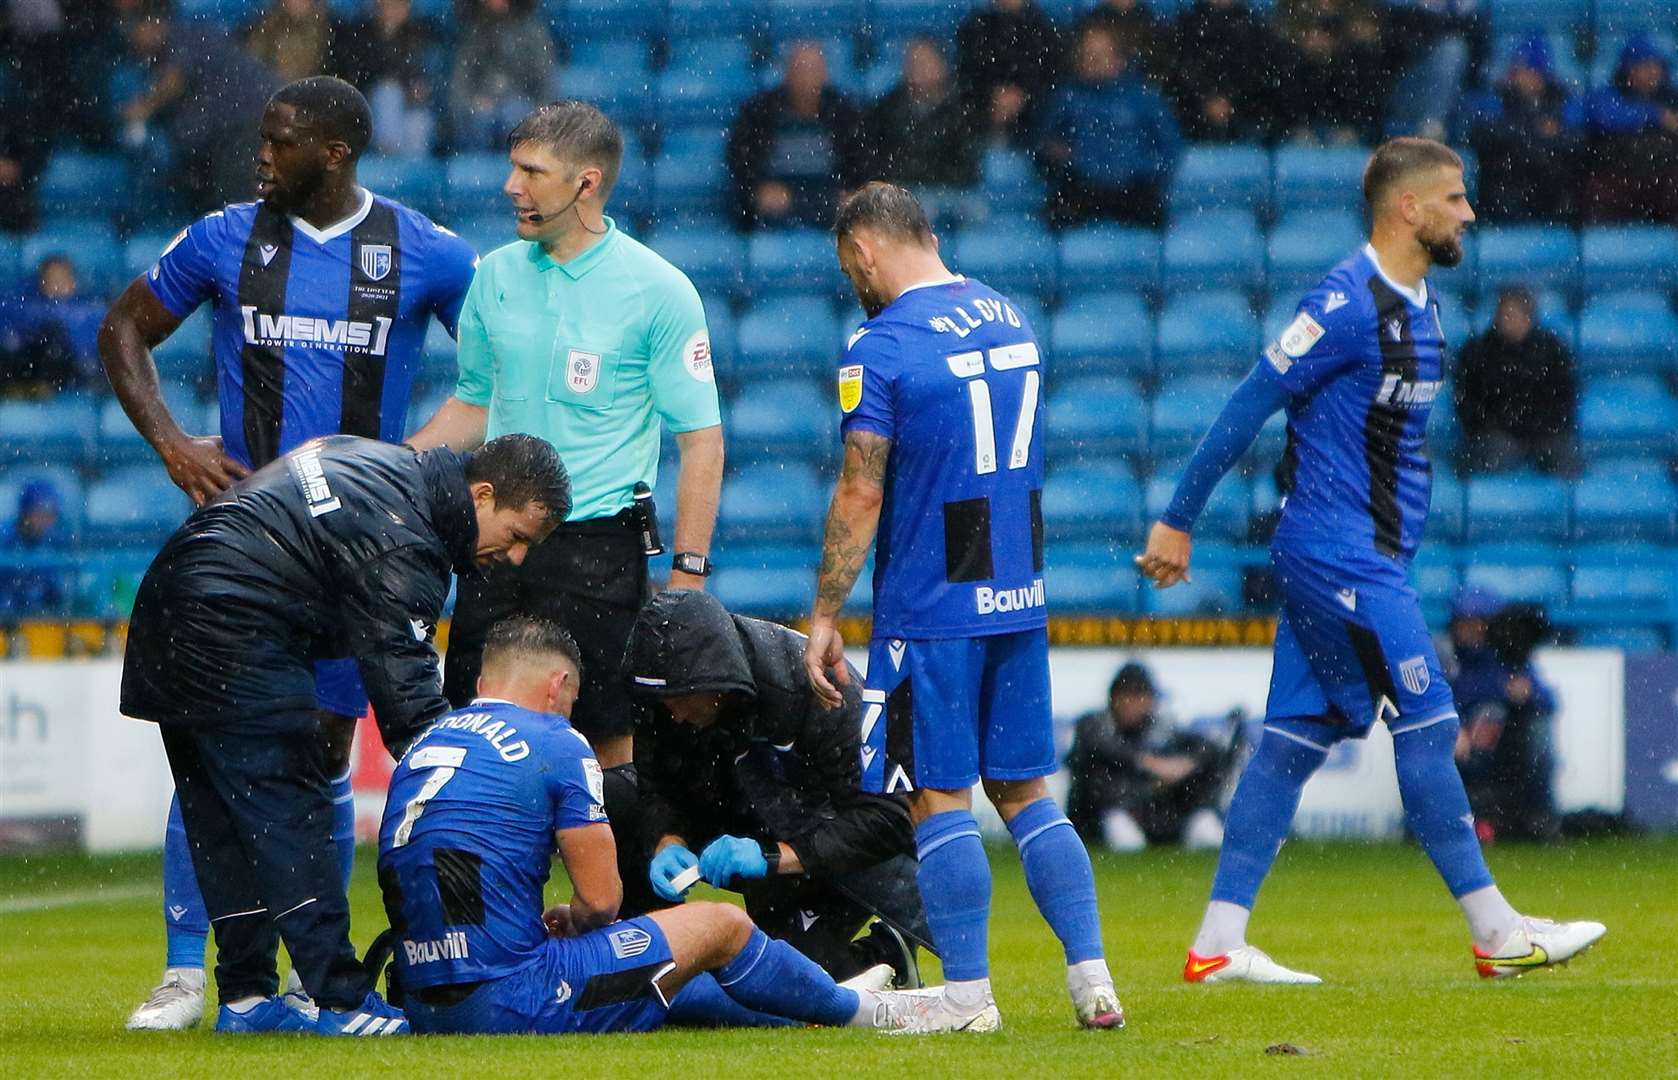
295 997
929 1012
176 1004
1244 964
1535 944
1098 1007
877 977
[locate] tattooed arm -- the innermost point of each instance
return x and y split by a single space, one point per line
852 519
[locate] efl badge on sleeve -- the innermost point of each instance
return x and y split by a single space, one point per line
375 261
850 386
582 371
1300 335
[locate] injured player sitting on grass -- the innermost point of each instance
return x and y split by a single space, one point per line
478 806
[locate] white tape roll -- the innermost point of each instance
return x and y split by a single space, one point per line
685 880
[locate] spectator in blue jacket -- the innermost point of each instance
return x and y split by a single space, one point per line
1527 133
48 332
1633 127
27 589
1109 140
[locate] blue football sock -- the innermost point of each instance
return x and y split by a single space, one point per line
772 976
343 825
954 879
186 924
702 1003
1260 814
1057 871
1436 807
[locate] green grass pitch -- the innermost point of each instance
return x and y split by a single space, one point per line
82 944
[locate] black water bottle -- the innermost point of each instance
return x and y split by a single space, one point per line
646 516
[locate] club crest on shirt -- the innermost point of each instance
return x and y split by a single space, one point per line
582 371
628 942
1413 673
375 261
850 386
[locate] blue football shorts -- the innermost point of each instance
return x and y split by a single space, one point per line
597 983
1351 648
338 687
943 713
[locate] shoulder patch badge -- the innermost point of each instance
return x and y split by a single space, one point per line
1300 335
850 387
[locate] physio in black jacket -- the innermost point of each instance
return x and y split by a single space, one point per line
746 776
342 547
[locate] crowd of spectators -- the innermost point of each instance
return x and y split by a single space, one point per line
1102 102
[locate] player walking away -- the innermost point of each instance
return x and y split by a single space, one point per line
321 292
344 540
748 777
478 806
1357 371
942 396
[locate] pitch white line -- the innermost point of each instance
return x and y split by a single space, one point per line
113 895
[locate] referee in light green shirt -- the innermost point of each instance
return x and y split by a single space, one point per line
581 335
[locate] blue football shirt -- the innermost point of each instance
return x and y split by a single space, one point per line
468 838
950 372
315 333
1362 362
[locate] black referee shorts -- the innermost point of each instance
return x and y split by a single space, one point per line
591 578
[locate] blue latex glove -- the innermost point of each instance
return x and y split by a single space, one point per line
669 862
730 857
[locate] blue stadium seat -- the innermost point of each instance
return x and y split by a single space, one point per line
1096 499
485 232
1625 582
789 20
689 19
1203 333
1095 414
1090 577
1212 177
1012 259
1619 17
1628 256
783 501
897 20
414 181
764 593
719 323
1636 414
707 95
117 441
1323 178
714 260
1519 571
688 173
1520 15
699 54
1305 246
1517 504
1213 249
783 419
66 481
1435 576
790 335
58 431
472 185
792 260
141 251
1631 639
1099 257
1535 255
615 77
607 22
1626 500
1214 590
1628 332
1446 513
134 505
1228 511
91 244
79 184
1109 332
1009 180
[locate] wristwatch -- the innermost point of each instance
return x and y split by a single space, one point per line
690 562
771 855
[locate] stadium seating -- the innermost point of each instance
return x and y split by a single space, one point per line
1109 332
1523 571
1095 415
1310 177
1517 504
59 431
1090 577
1018 258
688 172
1203 332
65 480
794 334
783 501
714 261
90 242
792 260
1009 181
1227 511
781 420
80 184
1098 257
1628 332
1627 256
1630 415
1630 499
414 181
1529 255
134 505
472 186
1221 177
1304 245
1213 249
1624 582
